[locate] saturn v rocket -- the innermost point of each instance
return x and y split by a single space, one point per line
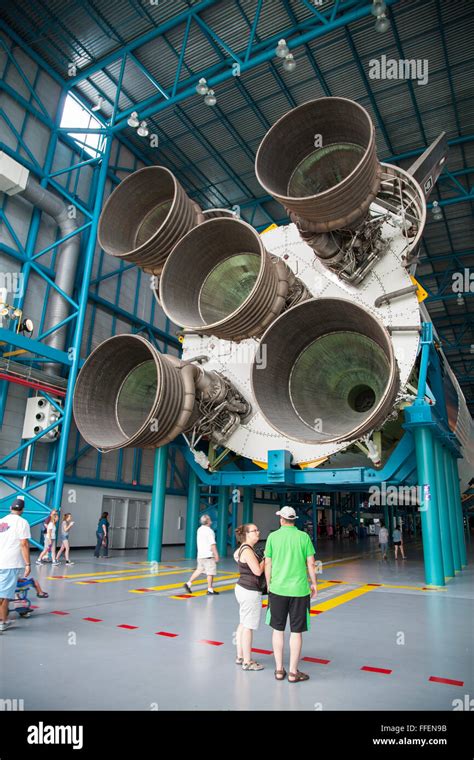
303 338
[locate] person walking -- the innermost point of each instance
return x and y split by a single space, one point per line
102 535
289 558
398 542
66 526
248 592
50 540
383 540
14 556
207 556
44 530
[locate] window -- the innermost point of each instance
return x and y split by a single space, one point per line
75 115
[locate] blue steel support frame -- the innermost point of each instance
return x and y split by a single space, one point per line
398 468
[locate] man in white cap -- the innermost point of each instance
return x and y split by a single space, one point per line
14 556
289 559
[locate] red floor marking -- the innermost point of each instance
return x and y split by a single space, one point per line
165 633
128 627
446 680
316 659
316 612
262 651
335 581
35 607
214 643
90 581
376 670
93 620
184 596
57 577
142 589
58 612
373 584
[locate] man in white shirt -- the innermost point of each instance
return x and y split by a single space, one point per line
14 555
207 556
383 540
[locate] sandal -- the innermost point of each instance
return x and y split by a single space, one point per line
44 595
280 675
297 677
252 665
239 660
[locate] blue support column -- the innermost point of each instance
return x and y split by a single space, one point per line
314 505
247 516
158 496
451 505
433 558
444 522
235 516
458 510
222 520
192 516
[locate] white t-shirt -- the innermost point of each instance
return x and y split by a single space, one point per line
383 536
51 530
13 528
205 538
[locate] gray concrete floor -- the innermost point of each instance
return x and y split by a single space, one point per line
64 662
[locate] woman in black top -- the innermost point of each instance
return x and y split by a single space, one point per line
248 592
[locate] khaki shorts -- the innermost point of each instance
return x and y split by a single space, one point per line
250 604
207 565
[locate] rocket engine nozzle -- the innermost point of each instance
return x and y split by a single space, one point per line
330 373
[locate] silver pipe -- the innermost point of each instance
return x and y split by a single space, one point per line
68 257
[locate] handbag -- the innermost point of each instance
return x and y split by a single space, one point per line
261 579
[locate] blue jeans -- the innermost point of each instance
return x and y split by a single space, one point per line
100 538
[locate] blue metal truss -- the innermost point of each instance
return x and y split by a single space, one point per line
249 56
35 350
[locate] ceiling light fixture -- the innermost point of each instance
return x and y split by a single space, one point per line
210 99
282 49
382 23
133 121
289 64
201 87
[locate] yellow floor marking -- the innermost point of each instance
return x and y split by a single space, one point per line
204 593
93 575
131 577
180 585
342 599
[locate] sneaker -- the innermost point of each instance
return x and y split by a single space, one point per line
69 563
55 562
5 626
212 593
39 562
188 588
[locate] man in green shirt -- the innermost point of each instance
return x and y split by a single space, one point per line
289 559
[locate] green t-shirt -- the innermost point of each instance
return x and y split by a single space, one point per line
289 549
